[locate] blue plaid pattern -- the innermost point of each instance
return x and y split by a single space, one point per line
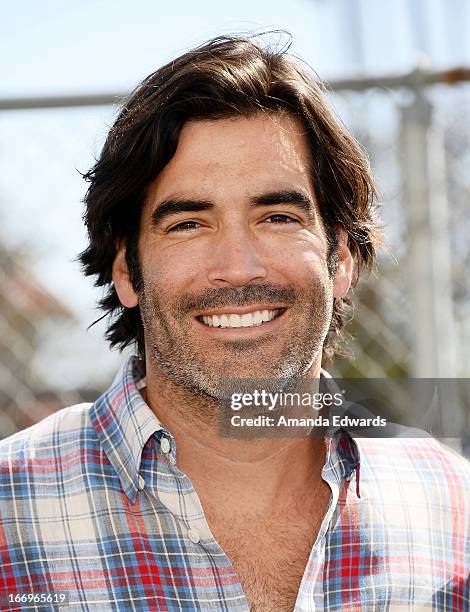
92 503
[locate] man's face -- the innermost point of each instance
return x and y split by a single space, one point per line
233 257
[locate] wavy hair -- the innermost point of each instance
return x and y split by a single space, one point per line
226 77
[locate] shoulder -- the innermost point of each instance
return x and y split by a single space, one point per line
423 463
46 442
60 423
406 451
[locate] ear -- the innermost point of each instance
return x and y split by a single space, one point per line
344 268
121 279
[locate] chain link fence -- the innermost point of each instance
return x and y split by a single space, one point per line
411 318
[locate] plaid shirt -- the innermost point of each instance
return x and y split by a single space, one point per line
92 503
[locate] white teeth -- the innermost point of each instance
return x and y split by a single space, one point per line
234 320
257 318
249 319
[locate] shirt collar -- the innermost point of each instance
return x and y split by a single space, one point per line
124 423
341 441
348 451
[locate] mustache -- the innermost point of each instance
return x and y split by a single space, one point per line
236 296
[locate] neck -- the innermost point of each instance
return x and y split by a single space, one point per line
263 466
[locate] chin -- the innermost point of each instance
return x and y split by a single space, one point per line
245 379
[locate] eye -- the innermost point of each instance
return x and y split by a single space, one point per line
183 226
279 218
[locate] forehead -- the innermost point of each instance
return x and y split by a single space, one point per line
239 154
278 135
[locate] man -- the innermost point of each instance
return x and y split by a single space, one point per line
228 215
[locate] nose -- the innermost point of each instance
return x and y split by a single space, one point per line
236 259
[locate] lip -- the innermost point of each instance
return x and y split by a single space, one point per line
235 333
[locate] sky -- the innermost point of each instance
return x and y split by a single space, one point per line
107 46
54 46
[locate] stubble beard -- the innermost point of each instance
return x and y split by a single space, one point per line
167 333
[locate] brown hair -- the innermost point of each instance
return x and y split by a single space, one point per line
226 77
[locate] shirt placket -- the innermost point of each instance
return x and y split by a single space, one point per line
310 596
185 505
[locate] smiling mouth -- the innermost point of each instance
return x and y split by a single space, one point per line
256 318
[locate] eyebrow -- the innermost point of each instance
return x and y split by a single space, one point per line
173 206
290 196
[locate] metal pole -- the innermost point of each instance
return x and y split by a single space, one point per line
428 254
408 80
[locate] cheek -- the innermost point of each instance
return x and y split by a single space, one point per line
303 258
173 271
307 271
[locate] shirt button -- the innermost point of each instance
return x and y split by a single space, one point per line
141 485
165 445
193 535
